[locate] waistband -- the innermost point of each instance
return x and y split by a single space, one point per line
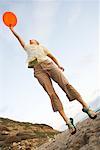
35 63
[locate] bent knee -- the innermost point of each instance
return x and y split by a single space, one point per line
72 93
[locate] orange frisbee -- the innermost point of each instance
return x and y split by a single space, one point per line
9 19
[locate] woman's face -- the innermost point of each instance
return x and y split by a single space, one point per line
33 42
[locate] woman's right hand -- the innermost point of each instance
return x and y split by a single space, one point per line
10 27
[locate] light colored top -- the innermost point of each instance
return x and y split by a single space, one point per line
36 51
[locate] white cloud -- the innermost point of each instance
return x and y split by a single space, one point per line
44 16
74 13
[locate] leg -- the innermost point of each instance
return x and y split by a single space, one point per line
46 83
69 122
62 113
57 75
84 104
73 94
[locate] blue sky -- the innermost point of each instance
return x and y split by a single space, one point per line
70 30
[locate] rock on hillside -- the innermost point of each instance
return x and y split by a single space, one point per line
86 138
23 136
27 136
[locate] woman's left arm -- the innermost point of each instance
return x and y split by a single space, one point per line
55 60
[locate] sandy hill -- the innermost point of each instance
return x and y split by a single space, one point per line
23 136
26 136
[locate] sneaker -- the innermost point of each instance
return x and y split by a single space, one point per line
90 113
71 126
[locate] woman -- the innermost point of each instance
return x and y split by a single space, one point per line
46 67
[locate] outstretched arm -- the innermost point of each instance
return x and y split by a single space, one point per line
17 36
55 60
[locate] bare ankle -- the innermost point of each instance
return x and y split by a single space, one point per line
68 122
86 106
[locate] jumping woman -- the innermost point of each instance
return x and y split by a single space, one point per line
46 67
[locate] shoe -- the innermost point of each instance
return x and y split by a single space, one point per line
71 126
90 113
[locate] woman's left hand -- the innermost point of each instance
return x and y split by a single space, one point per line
61 68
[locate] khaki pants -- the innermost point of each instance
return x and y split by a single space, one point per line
47 70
